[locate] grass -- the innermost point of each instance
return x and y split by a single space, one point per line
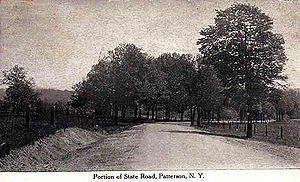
14 135
13 138
42 153
290 131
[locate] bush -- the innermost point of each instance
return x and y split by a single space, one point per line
229 114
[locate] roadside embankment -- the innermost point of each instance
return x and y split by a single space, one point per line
43 152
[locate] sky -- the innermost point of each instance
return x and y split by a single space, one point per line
57 41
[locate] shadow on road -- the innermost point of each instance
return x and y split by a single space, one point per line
206 133
180 123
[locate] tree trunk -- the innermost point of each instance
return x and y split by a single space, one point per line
181 114
166 113
209 116
241 114
123 112
218 115
135 113
148 113
191 113
116 115
169 113
249 123
156 112
152 113
140 112
199 115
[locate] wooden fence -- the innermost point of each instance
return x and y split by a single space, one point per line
59 118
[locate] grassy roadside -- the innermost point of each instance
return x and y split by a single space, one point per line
283 133
17 137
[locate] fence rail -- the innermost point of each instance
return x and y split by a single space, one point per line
61 118
285 132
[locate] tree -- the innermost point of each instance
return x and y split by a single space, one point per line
178 71
291 103
246 55
95 93
101 88
115 83
206 93
80 96
155 87
20 93
128 70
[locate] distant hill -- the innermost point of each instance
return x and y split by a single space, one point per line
49 95
52 95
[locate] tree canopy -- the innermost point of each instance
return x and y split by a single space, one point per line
240 57
20 92
247 56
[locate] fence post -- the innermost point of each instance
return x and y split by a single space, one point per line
266 130
281 131
78 120
52 115
229 125
27 117
254 128
68 117
249 130
245 128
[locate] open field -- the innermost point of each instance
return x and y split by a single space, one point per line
283 133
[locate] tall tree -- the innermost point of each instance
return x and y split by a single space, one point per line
291 103
247 56
127 73
207 92
80 97
179 72
20 93
155 87
115 83
100 88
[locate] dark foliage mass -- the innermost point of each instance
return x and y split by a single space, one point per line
20 93
239 68
247 56
129 80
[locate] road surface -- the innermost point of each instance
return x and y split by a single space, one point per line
177 146
171 146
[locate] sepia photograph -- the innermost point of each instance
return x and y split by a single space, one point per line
149 85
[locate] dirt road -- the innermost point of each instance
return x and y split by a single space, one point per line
171 146
179 146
